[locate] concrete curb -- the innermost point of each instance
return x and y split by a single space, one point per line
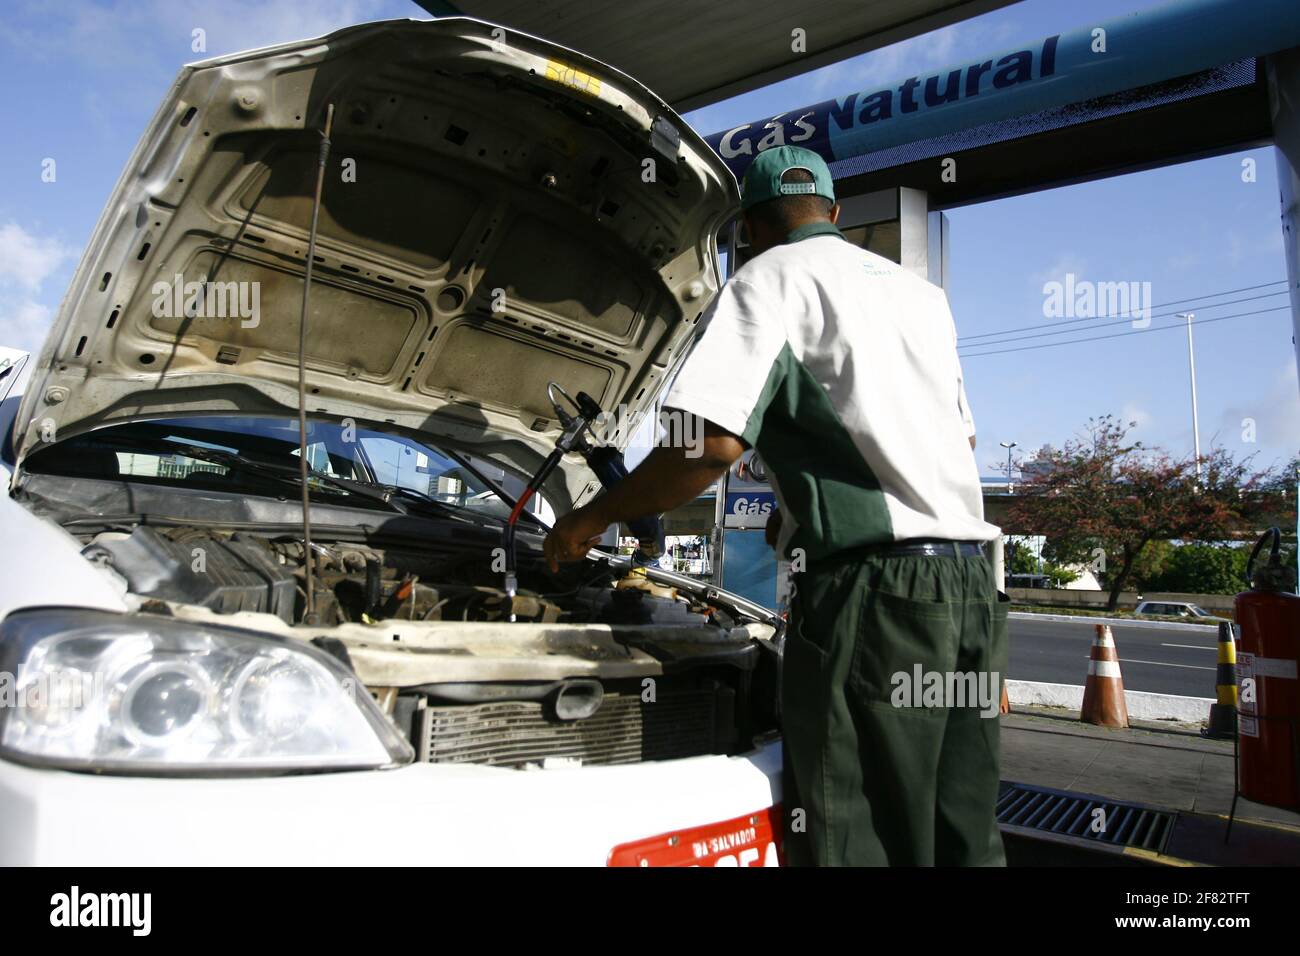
1124 621
1142 705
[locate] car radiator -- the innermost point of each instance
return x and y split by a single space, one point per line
624 729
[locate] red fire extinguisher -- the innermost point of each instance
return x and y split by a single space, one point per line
1268 647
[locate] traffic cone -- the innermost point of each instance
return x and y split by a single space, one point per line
1005 706
1103 694
1223 713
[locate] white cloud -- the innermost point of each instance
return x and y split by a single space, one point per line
103 34
24 323
1136 414
1183 261
1262 245
1065 262
925 53
234 25
26 262
1274 416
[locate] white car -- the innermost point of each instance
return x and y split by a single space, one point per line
179 682
1178 609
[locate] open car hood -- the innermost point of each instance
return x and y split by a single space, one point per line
498 212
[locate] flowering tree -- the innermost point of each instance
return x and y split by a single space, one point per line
1102 500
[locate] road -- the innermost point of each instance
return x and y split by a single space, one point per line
1174 660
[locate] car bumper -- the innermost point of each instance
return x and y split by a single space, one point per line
419 814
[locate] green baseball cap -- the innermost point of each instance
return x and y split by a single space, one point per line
763 178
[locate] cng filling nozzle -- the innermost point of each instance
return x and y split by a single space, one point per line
605 461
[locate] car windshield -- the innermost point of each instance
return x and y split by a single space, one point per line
261 455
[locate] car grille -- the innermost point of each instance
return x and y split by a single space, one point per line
623 730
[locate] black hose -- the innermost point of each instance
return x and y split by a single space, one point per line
1276 534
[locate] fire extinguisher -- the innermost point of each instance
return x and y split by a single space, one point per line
1268 647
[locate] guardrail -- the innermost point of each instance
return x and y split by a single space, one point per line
1097 600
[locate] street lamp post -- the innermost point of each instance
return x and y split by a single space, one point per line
1191 363
1008 446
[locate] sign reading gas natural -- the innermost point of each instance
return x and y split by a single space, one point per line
838 128
1137 50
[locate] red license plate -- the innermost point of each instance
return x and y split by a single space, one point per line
753 839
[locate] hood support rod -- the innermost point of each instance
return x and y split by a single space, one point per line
309 615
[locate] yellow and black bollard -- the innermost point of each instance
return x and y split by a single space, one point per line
1223 713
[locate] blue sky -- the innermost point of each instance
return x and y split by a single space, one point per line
83 78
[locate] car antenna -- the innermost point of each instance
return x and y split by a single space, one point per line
309 611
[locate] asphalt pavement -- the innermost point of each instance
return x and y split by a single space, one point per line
1163 660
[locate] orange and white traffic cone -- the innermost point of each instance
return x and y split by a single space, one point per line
1103 694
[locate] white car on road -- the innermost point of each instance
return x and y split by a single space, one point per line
1184 609
498 213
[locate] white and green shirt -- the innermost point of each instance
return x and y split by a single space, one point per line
840 367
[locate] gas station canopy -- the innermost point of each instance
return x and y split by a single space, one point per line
693 54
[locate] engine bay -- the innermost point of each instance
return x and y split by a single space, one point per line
233 571
597 665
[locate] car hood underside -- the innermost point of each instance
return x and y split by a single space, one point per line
497 213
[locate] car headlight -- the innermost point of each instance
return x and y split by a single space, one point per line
93 690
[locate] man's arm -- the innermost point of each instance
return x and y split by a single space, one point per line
668 477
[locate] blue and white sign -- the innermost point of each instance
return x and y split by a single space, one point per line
749 509
1098 59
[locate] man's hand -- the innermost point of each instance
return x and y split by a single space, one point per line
670 476
573 536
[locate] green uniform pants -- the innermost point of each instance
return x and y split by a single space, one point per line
881 765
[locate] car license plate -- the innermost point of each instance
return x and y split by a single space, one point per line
753 839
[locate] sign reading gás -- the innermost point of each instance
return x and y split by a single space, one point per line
749 509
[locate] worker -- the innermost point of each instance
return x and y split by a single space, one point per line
841 369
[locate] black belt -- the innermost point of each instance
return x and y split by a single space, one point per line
934 549
915 549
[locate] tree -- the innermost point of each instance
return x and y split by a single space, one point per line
1203 569
1150 565
1020 558
1103 499
1283 485
1058 575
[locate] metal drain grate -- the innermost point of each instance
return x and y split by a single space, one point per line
1073 814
